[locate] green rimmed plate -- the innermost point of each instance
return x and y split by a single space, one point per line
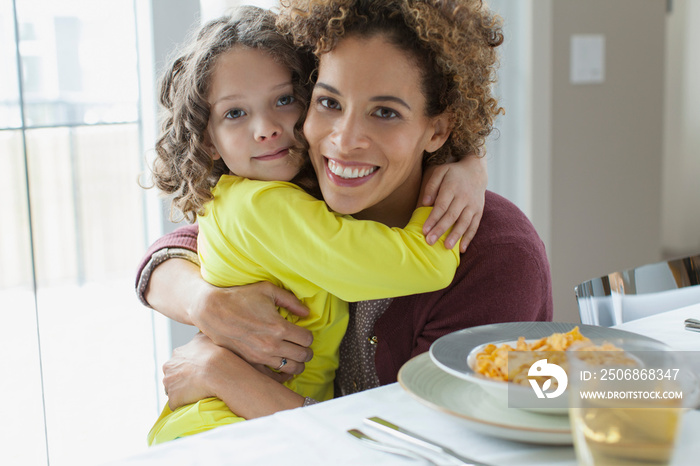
483 413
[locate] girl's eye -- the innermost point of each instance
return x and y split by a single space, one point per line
329 103
235 113
386 113
286 100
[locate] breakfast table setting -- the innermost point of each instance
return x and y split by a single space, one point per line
435 413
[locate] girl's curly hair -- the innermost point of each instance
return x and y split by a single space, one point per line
453 42
182 166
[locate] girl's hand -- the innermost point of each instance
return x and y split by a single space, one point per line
457 193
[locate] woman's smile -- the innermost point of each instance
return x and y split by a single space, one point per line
344 172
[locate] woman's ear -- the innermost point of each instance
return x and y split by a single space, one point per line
442 127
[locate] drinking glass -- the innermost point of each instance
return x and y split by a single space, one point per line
625 407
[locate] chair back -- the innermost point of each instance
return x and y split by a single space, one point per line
640 292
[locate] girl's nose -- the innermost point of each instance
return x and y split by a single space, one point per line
267 128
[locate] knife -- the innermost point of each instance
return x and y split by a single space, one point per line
400 432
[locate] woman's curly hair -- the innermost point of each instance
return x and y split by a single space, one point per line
182 166
453 42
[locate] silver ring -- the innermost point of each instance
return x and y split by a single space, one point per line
283 363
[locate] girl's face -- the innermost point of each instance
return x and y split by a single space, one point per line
252 115
367 130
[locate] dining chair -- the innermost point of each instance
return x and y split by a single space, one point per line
639 292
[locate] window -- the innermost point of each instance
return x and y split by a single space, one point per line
77 365
79 380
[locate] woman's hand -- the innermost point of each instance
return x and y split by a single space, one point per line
457 193
202 369
187 375
245 320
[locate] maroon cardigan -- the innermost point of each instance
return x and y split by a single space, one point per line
503 277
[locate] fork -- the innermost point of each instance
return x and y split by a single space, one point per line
385 447
692 325
407 435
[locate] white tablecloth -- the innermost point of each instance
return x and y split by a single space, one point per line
317 435
668 327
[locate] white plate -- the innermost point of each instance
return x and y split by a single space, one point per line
450 352
430 385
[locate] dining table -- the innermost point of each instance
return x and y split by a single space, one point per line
318 434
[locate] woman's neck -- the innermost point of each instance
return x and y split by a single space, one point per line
394 211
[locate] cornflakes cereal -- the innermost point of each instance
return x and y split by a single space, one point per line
492 361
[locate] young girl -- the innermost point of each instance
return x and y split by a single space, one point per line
230 147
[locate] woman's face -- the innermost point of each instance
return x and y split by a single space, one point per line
367 130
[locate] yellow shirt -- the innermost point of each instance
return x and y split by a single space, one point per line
274 231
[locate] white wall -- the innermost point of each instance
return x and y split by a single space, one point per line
680 213
507 149
597 148
214 8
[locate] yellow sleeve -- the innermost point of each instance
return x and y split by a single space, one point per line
289 233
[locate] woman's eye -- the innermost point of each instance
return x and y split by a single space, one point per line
235 113
329 103
386 113
286 100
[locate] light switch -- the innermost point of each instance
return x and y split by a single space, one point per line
587 59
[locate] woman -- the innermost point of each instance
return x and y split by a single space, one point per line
382 68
